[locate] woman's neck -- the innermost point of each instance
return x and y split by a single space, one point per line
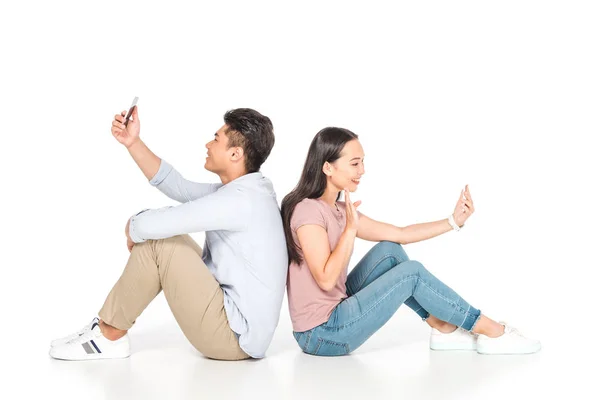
330 195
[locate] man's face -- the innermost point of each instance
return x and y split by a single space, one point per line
218 153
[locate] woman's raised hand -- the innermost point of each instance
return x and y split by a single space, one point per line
464 207
351 213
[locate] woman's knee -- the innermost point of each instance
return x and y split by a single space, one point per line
394 249
414 267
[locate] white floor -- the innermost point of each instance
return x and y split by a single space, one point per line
500 96
394 363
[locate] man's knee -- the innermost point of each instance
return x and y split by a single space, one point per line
170 244
216 352
170 240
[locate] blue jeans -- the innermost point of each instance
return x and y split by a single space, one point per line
379 284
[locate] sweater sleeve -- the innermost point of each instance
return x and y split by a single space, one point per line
226 209
170 182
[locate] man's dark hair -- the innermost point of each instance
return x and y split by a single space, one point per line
253 132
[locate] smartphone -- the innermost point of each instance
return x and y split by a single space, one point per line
135 99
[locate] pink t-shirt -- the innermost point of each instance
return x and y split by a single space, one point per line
309 305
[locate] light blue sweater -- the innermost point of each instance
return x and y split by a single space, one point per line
245 245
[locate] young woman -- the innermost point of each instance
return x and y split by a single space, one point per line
333 313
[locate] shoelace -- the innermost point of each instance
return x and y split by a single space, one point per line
512 331
84 334
78 333
85 337
88 326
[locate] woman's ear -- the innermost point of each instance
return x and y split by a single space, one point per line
327 169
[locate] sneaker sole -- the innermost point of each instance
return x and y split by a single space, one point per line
532 350
451 346
101 356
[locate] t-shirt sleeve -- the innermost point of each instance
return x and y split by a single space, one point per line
307 213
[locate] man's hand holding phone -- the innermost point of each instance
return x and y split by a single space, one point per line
126 126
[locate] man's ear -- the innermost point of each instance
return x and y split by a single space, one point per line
327 169
236 153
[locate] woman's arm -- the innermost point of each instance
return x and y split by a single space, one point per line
325 265
376 231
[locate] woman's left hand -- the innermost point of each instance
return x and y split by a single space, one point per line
464 207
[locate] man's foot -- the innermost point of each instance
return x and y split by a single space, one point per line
510 342
90 344
80 332
460 339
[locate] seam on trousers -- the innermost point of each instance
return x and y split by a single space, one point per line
168 261
321 340
476 320
447 300
466 315
386 294
209 304
375 266
308 336
419 280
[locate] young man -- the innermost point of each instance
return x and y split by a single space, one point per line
227 297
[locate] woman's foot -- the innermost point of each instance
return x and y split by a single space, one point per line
488 327
511 341
459 339
446 336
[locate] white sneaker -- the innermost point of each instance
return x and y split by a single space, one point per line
510 342
90 344
460 339
80 332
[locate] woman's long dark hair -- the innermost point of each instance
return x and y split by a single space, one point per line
326 147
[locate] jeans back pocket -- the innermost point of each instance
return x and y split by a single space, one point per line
303 339
330 348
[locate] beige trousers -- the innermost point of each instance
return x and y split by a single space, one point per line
174 265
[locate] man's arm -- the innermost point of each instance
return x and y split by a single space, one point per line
158 172
129 136
148 162
226 209
169 181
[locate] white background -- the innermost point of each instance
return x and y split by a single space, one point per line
503 96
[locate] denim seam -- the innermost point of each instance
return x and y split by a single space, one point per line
469 313
373 306
419 280
375 266
449 301
475 322
443 297
321 340
308 336
465 318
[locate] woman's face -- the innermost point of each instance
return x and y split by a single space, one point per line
345 172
